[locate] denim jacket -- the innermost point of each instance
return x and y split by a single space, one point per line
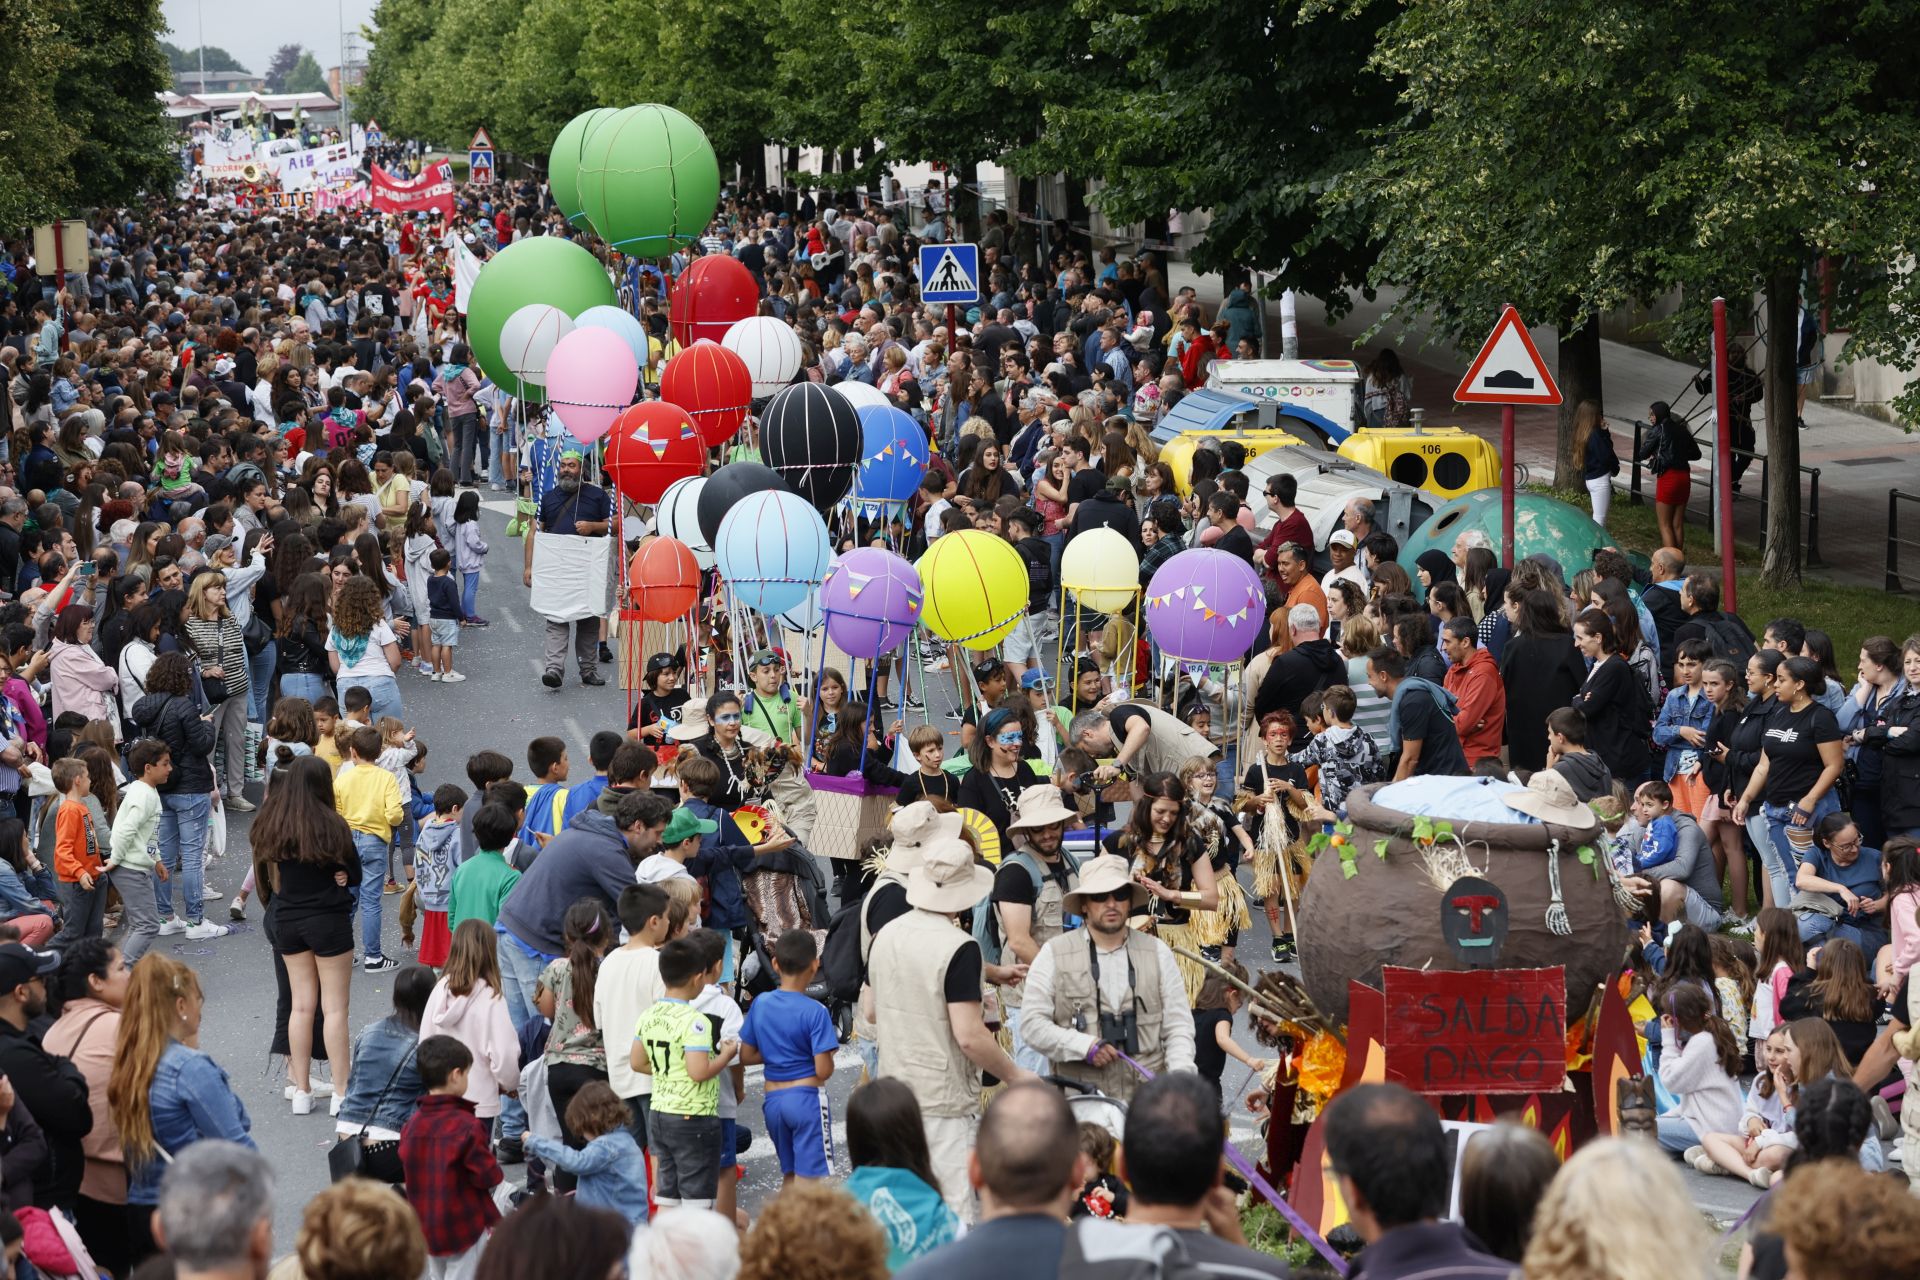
15 898
380 1050
189 1099
1675 716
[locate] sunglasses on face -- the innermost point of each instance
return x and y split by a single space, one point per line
1111 895
731 717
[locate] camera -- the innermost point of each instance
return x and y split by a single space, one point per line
1079 784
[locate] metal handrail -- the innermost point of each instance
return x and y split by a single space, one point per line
1894 541
1813 559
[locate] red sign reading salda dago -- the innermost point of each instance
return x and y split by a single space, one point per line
1476 1031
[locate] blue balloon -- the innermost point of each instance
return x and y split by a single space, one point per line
621 322
893 456
772 550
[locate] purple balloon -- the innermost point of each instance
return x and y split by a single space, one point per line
872 600
1205 605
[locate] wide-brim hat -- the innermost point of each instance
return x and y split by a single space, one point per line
948 880
1549 797
693 723
1039 806
1103 874
913 828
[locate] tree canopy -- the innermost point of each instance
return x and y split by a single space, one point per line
212 56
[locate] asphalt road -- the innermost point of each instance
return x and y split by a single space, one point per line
502 705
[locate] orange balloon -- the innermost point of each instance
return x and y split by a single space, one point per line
663 579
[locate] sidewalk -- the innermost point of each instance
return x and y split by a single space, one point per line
1860 459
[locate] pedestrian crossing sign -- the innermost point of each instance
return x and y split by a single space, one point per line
949 273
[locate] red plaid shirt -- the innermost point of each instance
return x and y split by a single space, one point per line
450 1173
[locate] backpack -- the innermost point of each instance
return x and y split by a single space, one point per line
841 968
986 921
1729 639
1102 1249
1688 448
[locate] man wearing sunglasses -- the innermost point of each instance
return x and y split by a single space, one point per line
1107 989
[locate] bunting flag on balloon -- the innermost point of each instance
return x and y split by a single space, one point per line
652 445
713 385
1205 605
872 600
894 456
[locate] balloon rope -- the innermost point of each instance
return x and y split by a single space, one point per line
813 726
866 735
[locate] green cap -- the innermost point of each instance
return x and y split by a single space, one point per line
685 823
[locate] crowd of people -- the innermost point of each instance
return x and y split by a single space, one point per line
240 508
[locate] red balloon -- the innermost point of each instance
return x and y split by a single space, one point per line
651 445
714 384
663 580
709 297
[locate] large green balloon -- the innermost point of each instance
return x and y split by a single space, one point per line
648 180
539 269
563 161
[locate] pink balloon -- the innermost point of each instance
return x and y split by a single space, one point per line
590 380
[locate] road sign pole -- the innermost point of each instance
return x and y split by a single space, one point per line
1723 454
1506 486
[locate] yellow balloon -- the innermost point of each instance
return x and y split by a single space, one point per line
1102 570
976 588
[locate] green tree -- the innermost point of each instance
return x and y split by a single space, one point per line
285 58
36 183
305 77
398 77
214 57
108 92
1246 109
1574 159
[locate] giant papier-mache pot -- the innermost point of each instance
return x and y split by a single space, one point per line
1389 912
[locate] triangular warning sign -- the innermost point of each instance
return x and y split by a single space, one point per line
949 276
1508 369
481 142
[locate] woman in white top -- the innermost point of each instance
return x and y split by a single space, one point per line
362 648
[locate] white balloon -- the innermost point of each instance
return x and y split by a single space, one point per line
529 337
621 322
771 349
860 395
676 517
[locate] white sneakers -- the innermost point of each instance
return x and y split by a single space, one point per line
206 929
452 677
170 927
302 1102
320 1088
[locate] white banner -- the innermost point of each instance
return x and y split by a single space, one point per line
226 154
466 269
315 167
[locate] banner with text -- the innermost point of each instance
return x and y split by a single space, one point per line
433 189
315 167
1481 1031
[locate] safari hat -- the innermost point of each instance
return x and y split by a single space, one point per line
1039 806
915 826
1103 874
1549 797
948 880
693 722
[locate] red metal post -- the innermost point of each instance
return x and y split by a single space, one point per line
1723 457
1506 486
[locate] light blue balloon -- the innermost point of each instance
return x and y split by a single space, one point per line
620 322
772 550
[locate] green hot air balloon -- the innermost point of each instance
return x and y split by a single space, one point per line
648 180
539 269
563 161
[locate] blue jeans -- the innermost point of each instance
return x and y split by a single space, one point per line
384 690
183 847
469 593
311 687
1815 927
260 681
373 884
1674 1133
1782 857
520 976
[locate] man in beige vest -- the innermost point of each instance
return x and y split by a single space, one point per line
1027 893
1141 739
928 975
1105 989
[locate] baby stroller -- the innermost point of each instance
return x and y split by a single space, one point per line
1089 1105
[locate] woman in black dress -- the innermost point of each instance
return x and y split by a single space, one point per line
1171 861
1541 670
999 773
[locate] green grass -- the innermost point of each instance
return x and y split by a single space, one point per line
1269 1233
1848 614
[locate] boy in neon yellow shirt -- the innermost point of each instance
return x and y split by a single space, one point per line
369 799
675 1044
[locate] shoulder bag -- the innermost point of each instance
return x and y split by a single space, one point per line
348 1157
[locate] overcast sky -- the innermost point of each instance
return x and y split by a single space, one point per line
252 29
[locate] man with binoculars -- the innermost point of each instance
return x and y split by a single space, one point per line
1106 989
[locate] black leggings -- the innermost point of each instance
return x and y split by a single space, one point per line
102 1227
564 1080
